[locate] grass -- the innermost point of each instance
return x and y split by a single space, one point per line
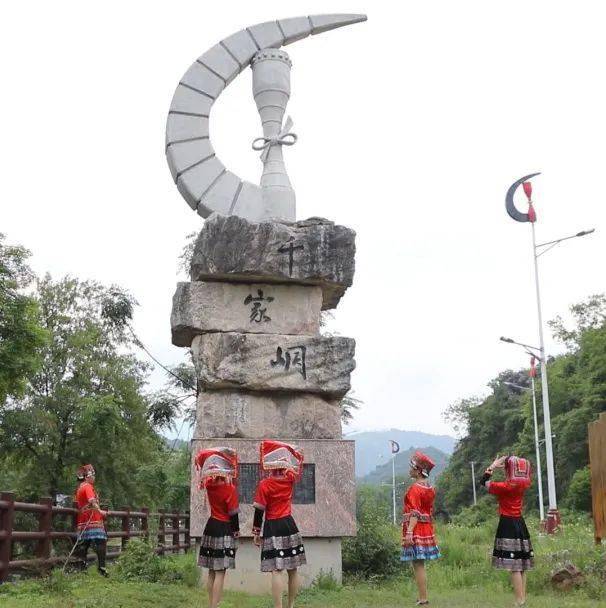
462 578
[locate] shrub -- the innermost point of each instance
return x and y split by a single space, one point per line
373 553
181 569
478 514
139 562
578 496
56 582
326 581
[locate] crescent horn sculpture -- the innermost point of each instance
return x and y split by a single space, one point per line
510 205
200 176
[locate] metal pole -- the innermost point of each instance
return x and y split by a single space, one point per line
473 481
393 485
538 452
551 488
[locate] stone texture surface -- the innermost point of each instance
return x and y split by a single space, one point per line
334 512
269 362
267 415
310 252
201 307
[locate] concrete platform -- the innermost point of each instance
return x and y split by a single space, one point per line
323 555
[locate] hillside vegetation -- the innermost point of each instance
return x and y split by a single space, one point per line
502 422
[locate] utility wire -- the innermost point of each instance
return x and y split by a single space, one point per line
142 346
183 381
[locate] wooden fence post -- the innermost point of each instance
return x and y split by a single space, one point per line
145 523
161 531
177 530
75 523
45 524
125 527
186 522
7 521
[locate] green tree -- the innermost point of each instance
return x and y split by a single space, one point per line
86 403
21 336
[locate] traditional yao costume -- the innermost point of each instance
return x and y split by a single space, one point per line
418 503
282 547
90 520
218 467
512 546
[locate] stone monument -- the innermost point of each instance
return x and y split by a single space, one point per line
251 312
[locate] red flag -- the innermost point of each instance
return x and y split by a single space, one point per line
533 370
532 214
527 190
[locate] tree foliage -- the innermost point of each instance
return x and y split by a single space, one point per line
502 422
87 401
21 335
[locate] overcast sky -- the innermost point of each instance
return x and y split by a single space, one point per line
411 128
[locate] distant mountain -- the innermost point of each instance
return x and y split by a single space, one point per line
372 447
383 473
174 444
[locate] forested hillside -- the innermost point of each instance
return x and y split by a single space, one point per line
502 422
383 472
372 447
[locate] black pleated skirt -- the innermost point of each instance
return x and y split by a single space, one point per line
282 547
218 546
512 545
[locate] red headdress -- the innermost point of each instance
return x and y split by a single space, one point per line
216 462
517 470
279 455
422 462
85 471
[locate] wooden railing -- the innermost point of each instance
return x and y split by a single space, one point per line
133 524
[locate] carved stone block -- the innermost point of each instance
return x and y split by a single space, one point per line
269 362
201 307
310 252
267 415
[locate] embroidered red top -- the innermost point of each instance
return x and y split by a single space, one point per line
274 496
418 501
510 495
223 500
88 518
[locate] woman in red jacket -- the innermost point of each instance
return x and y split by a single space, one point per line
512 546
418 538
217 468
282 546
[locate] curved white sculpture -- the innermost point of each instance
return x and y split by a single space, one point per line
201 177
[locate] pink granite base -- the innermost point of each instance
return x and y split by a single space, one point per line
334 512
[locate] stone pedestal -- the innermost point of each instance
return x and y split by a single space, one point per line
323 556
251 316
328 510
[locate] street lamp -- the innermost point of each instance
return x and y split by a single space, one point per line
553 516
537 443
